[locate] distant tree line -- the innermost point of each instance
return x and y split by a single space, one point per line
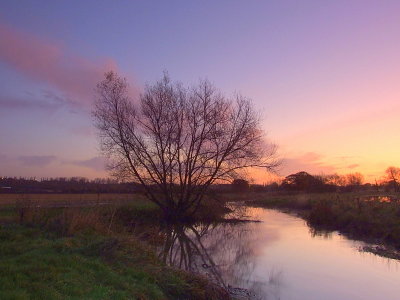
305 182
297 182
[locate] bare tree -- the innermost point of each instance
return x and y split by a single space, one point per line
335 179
354 179
393 177
178 141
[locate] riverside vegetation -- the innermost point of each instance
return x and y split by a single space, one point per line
98 252
369 217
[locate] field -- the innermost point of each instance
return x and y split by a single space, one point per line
88 251
67 200
102 246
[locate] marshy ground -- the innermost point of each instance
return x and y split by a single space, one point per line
89 251
105 246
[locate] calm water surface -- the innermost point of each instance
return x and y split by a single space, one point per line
281 258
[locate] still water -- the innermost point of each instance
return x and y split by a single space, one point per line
281 258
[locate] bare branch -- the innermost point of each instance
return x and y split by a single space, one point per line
177 142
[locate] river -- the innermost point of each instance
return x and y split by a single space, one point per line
280 257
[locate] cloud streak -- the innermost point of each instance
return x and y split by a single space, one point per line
352 166
310 162
37 160
47 62
45 102
96 163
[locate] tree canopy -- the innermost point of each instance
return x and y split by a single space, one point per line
177 141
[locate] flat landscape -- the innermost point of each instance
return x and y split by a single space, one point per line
120 248
200 150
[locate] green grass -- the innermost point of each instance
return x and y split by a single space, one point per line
36 266
89 253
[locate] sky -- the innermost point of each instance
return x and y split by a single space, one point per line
324 74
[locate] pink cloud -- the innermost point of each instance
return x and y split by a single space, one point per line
48 62
309 162
352 166
310 157
97 163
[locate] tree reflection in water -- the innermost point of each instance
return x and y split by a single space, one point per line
225 253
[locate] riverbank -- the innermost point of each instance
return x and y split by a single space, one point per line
371 218
105 252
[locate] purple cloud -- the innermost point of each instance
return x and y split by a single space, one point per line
37 160
96 163
15 103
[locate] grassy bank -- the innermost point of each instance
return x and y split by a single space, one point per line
67 200
356 215
90 253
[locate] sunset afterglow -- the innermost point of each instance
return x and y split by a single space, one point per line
324 75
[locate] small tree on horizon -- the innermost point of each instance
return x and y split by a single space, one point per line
177 141
354 179
240 185
302 181
393 177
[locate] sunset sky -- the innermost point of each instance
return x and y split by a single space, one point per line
324 74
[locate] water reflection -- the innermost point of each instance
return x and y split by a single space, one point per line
316 232
225 253
387 199
280 258
184 248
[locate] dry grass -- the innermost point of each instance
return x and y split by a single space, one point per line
117 238
67 200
